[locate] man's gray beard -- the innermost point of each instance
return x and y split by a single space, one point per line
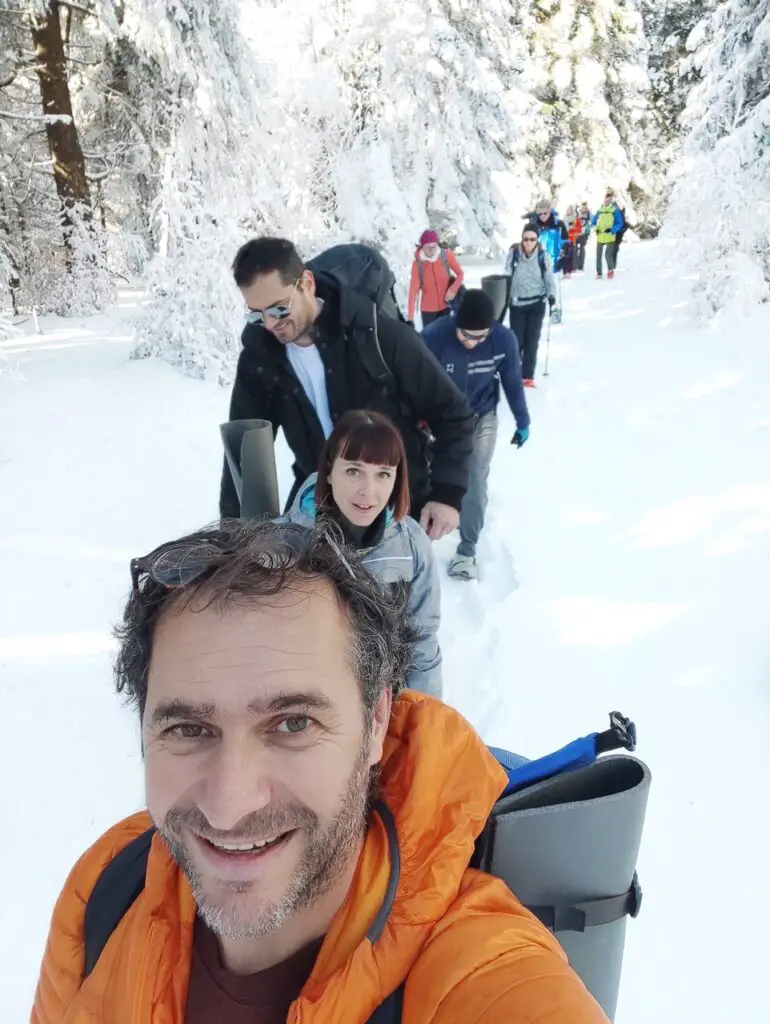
324 860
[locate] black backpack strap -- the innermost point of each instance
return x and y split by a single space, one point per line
541 259
377 368
371 355
391 1009
576 917
116 889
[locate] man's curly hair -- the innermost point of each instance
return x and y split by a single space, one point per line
244 562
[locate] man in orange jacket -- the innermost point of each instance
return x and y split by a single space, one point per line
313 827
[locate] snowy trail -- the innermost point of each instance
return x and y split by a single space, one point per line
625 566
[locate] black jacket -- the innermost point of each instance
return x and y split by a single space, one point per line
412 387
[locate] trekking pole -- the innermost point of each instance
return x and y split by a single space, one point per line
547 344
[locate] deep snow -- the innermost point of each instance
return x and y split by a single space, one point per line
625 566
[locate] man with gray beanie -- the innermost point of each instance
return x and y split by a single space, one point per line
480 355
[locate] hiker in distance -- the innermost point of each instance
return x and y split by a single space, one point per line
552 231
362 485
436 280
480 354
608 221
313 348
312 826
532 287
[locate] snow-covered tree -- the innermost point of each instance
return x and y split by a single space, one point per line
588 69
434 118
55 251
391 118
720 204
667 27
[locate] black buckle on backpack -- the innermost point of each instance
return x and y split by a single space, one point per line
621 735
635 897
624 730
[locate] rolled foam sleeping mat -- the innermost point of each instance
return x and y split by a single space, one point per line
496 287
250 457
565 846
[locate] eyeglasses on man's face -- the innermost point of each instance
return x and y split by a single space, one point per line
278 312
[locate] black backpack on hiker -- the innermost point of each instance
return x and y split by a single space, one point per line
364 270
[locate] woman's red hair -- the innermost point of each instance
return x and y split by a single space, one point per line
363 436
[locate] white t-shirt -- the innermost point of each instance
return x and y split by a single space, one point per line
309 368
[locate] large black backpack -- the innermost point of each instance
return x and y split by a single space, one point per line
366 271
363 269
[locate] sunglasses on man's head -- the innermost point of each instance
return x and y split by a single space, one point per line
175 564
179 563
277 312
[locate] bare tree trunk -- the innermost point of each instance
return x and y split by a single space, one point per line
69 167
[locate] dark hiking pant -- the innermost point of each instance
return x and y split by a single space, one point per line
616 248
608 248
580 253
428 318
527 323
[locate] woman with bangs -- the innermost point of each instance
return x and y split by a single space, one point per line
362 484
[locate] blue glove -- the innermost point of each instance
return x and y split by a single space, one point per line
521 435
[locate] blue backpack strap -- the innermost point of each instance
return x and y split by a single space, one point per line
521 772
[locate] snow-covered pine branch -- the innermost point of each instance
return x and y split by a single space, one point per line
44 118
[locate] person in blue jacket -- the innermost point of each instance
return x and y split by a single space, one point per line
552 230
480 355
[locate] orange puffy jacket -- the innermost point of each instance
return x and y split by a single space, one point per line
436 282
470 952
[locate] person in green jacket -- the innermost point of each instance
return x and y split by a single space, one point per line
607 220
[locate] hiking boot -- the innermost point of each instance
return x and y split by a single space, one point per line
610 273
528 382
463 567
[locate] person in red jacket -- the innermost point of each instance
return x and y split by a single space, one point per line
436 279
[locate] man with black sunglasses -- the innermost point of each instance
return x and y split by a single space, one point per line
308 348
480 355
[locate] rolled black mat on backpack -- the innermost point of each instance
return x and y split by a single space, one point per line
496 287
567 847
251 459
